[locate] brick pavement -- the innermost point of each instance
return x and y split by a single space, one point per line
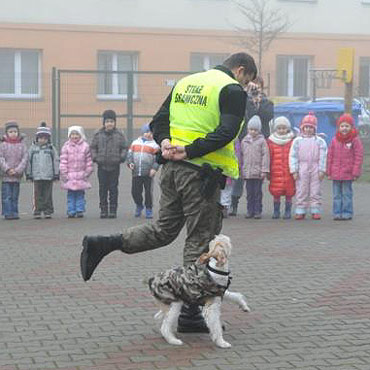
306 282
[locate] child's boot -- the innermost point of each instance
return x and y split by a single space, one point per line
276 213
104 212
288 211
300 216
112 211
138 211
148 213
234 206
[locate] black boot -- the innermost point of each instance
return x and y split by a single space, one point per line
191 320
103 211
95 248
112 212
288 211
234 206
276 213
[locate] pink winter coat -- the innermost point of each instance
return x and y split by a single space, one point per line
75 165
345 159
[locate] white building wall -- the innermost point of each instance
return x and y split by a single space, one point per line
316 16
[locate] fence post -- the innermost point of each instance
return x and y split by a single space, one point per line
54 104
130 102
58 111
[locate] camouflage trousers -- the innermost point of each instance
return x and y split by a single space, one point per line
181 203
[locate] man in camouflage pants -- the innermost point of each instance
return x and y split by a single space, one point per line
195 127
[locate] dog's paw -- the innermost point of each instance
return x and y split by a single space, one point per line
174 341
223 344
245 307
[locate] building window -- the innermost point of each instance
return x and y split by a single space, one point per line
20 73
114 85
364 78
292 76
205 61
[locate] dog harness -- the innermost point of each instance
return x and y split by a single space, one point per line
191 284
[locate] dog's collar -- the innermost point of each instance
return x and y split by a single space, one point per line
224 273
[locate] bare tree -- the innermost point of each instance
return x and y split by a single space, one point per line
263 24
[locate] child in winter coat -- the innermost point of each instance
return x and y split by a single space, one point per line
75 168
307 163
109 150
13 161
42 169
141 159
256 166
345 157
281 180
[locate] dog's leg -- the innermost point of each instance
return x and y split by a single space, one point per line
169 322
238 299
212 316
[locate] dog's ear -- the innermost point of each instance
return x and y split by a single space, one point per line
204 258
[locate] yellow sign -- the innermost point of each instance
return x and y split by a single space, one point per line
345 61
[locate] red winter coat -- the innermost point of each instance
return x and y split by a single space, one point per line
281 181
345 159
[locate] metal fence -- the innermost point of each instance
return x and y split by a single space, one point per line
80 97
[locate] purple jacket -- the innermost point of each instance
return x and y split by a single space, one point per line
75 165
13 156
345 159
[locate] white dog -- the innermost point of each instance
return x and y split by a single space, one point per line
205 282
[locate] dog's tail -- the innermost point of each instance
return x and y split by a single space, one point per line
159 315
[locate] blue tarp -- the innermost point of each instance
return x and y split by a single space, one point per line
326 113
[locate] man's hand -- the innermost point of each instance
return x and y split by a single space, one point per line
131 166
321 175
11 172
172 153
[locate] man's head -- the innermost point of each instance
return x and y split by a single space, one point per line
242 66
109 119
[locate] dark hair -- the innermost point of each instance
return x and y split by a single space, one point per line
242 60
259 81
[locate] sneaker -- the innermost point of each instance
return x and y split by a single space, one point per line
347 218
79 214
257 216
37 216
249 215
148 213
103 214
337 218
47 215
71 215
316 216
138 211
300 216
112 214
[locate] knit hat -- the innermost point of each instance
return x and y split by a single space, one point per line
281 121
309 120
43 130
346 117
255 122
78 129
109 114
11 124
145 128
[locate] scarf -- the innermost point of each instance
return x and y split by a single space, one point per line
16 140
281 139
347 137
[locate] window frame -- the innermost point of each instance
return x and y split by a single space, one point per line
290 74
115 83
18 95
206 59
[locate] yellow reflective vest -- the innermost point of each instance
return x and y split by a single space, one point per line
195 112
